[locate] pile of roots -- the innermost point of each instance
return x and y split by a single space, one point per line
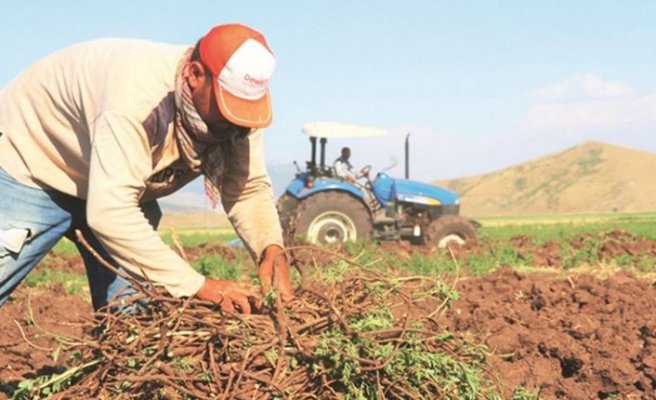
351 333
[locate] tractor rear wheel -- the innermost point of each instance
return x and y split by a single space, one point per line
449 230
332 217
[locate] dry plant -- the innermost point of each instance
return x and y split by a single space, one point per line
350 334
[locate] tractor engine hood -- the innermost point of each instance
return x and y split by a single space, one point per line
423 193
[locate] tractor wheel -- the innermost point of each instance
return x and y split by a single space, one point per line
449 230
332 217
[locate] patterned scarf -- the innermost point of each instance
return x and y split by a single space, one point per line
201 150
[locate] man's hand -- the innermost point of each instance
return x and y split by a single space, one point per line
274 271
229 296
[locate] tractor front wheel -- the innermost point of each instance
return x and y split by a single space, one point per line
449 230
333 217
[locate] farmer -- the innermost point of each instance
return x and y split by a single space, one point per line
93 135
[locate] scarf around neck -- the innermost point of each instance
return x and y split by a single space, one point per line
200 148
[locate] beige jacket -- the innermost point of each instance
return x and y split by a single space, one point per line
95 121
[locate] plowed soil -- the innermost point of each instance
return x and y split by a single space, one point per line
578 337
575 336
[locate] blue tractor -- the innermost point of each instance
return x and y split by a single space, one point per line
323 209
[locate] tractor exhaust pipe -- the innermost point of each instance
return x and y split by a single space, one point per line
323 153
313 140
407 156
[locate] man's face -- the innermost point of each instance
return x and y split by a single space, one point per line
346 154
204 99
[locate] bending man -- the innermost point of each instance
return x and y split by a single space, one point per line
93 135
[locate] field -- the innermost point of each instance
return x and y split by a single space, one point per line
555 307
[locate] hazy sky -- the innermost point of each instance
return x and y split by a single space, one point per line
480 84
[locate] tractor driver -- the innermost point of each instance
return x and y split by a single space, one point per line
345 170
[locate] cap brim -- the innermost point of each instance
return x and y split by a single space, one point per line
241 112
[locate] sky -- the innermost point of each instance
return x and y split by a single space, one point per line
480 85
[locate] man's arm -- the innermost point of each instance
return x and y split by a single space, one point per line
119 167
247 196
248 199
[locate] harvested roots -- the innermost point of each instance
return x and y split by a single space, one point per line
361 336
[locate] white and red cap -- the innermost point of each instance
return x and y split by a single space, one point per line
241 64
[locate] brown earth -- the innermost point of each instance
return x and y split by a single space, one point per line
578 337
573 336
32 324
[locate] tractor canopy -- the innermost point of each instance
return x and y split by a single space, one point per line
322 131
328 130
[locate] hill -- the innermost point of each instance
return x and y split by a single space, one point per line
590 177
